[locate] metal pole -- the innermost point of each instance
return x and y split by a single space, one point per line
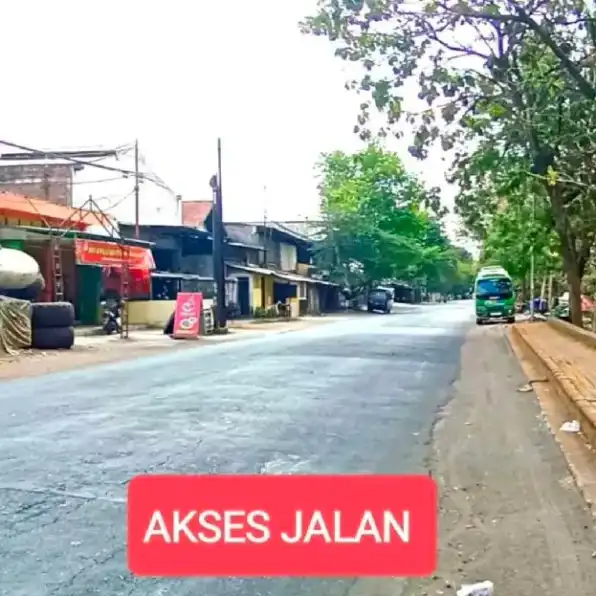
265 253
218 245
137 179
532 260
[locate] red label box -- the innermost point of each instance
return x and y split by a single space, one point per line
286 525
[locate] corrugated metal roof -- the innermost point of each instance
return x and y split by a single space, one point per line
67 217
244 234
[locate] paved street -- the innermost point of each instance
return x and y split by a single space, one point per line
351 396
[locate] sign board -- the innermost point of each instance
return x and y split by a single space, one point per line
111 254
187 316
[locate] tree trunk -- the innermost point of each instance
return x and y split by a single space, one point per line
524 289
574 280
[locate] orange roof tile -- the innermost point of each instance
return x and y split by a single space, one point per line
56 215
194 213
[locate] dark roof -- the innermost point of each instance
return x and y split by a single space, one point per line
60 233
243 234
306 229
172 230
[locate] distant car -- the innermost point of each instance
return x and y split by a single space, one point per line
380 299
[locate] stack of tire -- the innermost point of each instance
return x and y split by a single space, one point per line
52 325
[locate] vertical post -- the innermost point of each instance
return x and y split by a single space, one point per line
532 260
218 245
137 180
265 252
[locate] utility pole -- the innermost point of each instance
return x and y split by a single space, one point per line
137 180
265 259
219 272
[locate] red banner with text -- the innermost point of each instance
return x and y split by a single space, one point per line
111 254
282 525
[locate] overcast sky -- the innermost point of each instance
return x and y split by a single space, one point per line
177 75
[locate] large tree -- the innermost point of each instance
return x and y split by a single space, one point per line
516 76
375 222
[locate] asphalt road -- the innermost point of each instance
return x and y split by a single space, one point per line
359 395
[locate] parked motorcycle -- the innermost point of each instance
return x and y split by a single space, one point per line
111 319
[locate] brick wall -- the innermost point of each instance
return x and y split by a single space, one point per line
52 182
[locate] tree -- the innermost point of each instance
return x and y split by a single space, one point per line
521 83
374 219
508 214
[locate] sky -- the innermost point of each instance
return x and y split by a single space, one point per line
177 76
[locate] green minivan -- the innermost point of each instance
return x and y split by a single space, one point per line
494 295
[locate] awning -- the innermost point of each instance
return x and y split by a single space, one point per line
251 269
112 254
291 277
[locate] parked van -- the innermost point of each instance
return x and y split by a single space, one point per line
380 299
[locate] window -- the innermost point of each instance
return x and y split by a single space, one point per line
494 288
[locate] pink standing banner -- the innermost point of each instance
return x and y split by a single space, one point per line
187 316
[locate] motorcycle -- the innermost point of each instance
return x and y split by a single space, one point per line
111 319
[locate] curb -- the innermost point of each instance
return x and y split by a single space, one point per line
584 336
576 451
579 408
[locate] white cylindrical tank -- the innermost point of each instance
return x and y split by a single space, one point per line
17 269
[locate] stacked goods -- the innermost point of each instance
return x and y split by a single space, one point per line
15 325
52 325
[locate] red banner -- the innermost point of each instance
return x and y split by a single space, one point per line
282 525
187 316
111 254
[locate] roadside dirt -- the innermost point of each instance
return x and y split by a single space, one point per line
92 350
32 363
510 511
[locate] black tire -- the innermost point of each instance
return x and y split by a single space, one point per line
479 322
30 292
510 320
52 314
52 338
169 326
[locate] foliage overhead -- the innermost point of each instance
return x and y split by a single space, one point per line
505 85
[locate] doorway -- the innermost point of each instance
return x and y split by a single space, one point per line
244 296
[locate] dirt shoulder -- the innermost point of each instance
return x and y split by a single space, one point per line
510 511
90 350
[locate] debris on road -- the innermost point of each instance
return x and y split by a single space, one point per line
571 426
485 588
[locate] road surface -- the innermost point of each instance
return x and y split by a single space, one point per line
359 395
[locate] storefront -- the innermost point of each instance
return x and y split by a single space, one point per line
91 265
100 267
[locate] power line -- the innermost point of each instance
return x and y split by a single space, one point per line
154 178
57 155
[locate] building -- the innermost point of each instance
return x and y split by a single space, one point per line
87 245
49 182
71 177
273 264
183 257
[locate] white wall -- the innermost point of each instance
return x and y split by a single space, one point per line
114 194
288 258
